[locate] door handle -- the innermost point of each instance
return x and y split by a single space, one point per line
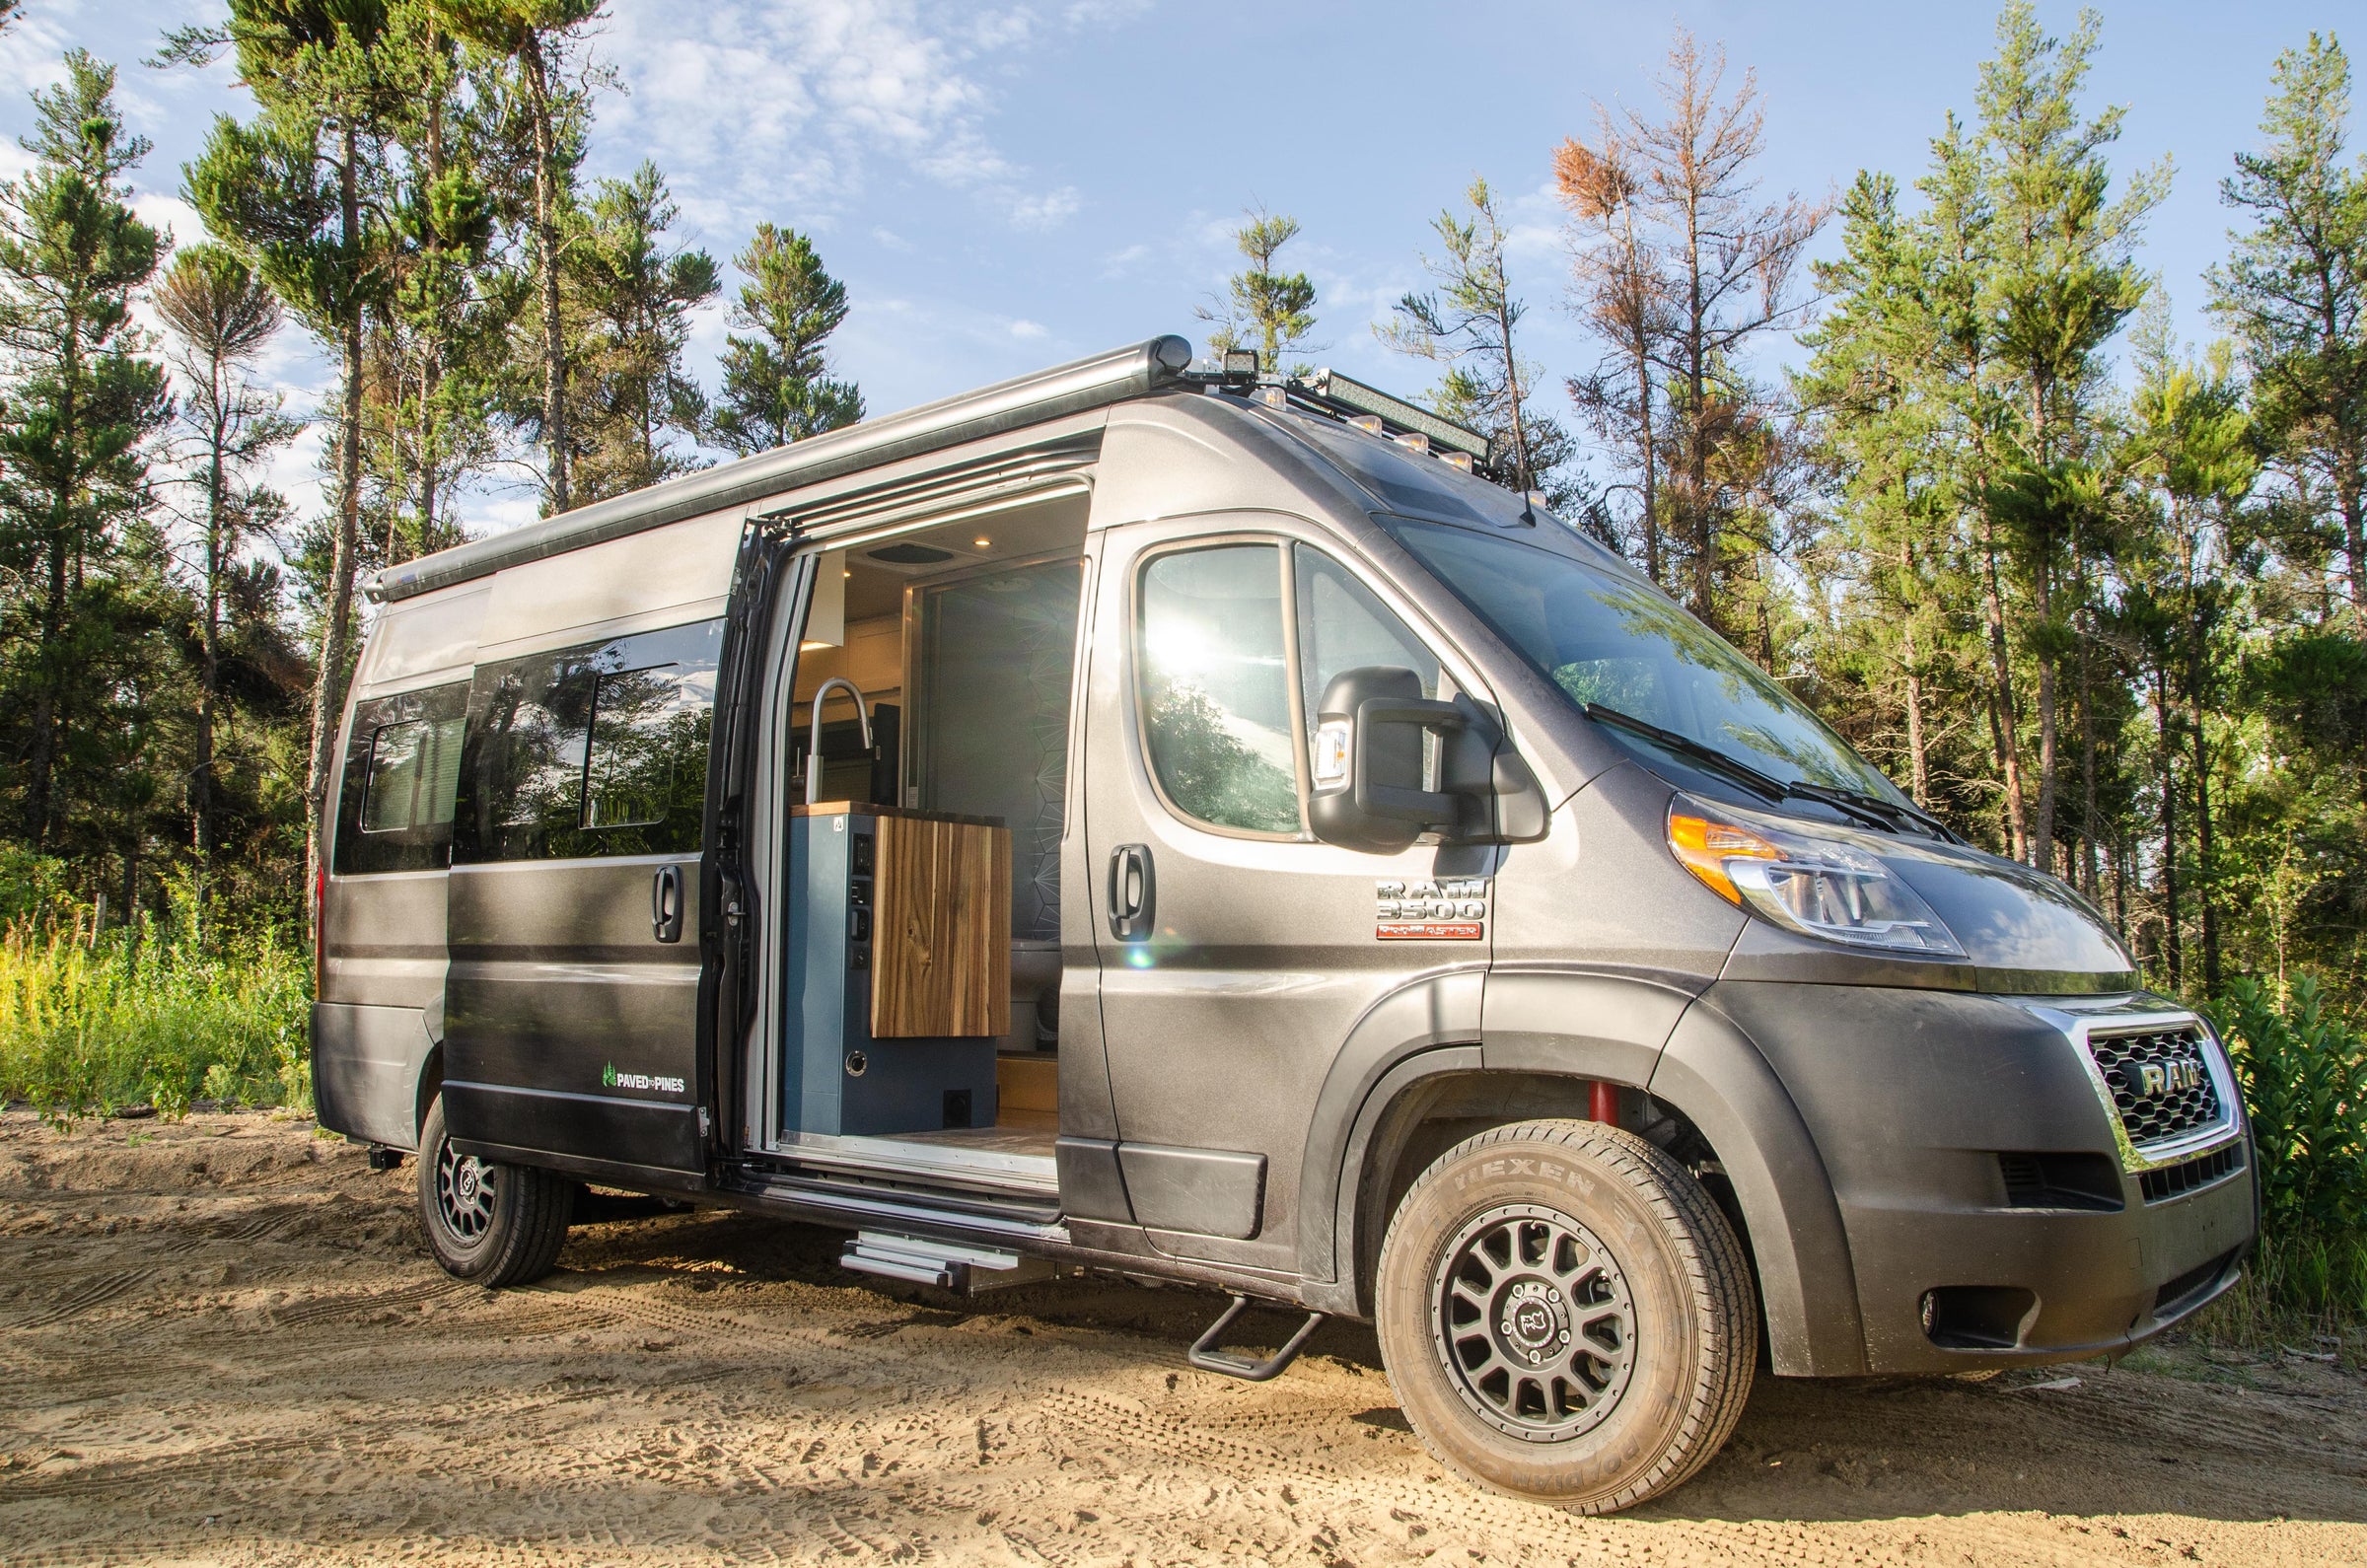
1134 893
665 904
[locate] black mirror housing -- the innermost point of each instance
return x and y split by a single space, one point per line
1369 789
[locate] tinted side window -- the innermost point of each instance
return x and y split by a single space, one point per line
1343 627
402 767
600 750
1214 686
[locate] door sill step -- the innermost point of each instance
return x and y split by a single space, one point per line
948 1265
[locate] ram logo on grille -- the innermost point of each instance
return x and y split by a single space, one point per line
2153 1080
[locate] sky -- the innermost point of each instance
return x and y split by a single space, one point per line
1002 187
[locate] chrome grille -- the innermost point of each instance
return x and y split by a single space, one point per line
2189 1102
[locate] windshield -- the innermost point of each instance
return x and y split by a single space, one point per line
1603 638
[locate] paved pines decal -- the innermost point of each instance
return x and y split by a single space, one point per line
660 1083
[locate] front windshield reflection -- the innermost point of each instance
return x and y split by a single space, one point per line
1605 639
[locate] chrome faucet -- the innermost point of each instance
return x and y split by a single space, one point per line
813 732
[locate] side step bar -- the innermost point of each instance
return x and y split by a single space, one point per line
1206 1356
948 1265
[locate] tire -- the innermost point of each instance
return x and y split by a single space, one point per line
492 1223
1566 1316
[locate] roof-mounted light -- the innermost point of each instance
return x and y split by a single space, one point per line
1411 418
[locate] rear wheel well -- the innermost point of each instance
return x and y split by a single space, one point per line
1436 1114
431 1084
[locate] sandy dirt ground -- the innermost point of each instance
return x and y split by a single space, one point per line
222 1341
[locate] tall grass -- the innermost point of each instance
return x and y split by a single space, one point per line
161 1014
2303 1071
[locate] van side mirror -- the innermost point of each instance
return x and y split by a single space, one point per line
1369 787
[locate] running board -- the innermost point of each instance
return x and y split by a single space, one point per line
948 1265
1206 1356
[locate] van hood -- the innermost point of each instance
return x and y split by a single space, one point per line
2028 930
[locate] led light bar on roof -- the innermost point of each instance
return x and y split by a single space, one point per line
1410 417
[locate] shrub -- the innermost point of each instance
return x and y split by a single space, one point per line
151 1015
2303 1072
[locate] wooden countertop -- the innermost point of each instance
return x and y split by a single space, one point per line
873 809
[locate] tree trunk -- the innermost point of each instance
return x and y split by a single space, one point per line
2168 750
1918 762
2043 832
547 241
1644 438
336 628
2003 719
2087 773
2206 917
40 767
209 674
2354 537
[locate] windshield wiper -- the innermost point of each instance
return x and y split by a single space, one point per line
1869 809
1767 784
1893 812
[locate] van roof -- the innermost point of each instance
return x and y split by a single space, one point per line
1005 407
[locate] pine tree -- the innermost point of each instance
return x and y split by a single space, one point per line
776 383
298 191
1620 298
1273 309
437 352
82 402
222 316
630 298
537 47
2294 292
2060 280
1468 326
1721 264
1883 438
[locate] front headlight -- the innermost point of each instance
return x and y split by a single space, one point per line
1806 881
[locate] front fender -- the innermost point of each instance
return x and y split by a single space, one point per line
1415 1020
1570 1025
1712 1073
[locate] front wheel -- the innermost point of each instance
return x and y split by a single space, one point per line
493 1223
1566 1316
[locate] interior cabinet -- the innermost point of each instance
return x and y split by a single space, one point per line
899 941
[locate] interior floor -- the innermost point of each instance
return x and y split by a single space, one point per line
997 1139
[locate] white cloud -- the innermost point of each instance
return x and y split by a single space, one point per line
1047 211
765 109
890 240
1024 329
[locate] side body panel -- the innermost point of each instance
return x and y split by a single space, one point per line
572 1008
380 1016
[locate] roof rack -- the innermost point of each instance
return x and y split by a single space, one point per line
1352 402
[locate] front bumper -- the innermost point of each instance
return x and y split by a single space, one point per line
1920 1104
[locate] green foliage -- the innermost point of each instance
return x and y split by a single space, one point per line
629 299
1467 325
154 1015
776 381
1262 307
2304 1078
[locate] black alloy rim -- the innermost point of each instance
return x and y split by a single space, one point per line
1533 1322
464 1194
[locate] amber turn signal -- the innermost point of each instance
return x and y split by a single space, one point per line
1704 845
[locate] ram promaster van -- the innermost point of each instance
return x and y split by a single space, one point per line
1156 817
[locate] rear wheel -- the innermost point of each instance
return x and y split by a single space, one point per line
1566 1314
492 1223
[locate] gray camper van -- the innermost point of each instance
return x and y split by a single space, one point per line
1156 817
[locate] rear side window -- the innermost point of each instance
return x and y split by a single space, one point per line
599 750
402 769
